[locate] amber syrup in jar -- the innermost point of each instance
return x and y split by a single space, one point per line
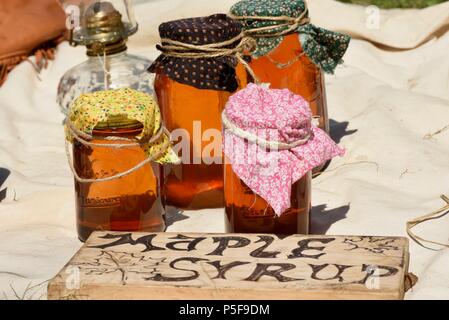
197 182
287 67
246 212
130 203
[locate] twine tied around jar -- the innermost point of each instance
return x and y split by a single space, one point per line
285 21
266 144
178 49
292 24
83 138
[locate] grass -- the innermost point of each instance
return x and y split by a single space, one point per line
389 4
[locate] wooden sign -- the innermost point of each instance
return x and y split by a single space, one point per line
114 265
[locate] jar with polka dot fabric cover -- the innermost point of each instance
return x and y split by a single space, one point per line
192 92
291 52
119 144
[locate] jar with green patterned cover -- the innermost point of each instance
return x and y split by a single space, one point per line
291 52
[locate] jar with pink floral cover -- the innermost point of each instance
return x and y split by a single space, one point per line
271 146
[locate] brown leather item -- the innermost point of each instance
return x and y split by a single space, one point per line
29 27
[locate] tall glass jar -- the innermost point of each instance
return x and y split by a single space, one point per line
192 93
116 161
292 53
271 146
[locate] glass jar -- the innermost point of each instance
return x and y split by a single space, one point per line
119 144
130 203
271 146
197 183
246 212
192 93
292 53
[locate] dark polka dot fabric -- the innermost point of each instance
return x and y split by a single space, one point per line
201 73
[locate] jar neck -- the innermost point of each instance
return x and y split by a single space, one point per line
108 56
100 49
129 132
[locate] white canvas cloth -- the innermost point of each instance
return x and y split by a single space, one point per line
383 101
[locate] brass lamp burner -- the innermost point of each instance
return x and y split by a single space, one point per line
103 23
102 30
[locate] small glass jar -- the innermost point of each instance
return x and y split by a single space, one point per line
271 147
130 203
246 212
192 94
119 144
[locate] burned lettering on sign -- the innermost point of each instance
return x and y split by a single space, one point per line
126 238
369 271
303 245
224 243
338 276
195 274
262 269
260 253
191 262
191 242
222 269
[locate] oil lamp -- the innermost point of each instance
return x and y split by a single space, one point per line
103 27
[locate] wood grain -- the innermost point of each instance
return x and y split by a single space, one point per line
114 265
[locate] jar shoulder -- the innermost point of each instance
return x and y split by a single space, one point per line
89 76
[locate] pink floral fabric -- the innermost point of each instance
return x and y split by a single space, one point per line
274 115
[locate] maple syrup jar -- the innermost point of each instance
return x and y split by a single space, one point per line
192 89
118 146
292 53
271 146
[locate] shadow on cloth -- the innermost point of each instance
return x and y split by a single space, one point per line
4 174
322 219
338 130
173 215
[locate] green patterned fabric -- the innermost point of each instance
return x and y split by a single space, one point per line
323 47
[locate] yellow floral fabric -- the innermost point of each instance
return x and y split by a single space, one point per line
90 109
